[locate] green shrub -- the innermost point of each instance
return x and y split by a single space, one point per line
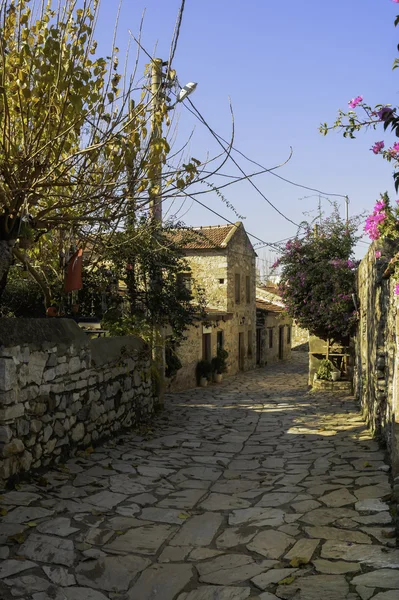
325 369
219 362
204 369
173 362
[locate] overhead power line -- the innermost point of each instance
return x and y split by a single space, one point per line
271 244
202 119
272 172
305 187
176 34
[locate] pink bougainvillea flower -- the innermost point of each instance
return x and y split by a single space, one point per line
355 101
394 151
378 253
380 205
372 223
378 146
397 289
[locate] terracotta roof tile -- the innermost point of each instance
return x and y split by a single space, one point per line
202 238
272 288
269 306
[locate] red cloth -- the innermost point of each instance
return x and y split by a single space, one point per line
73 278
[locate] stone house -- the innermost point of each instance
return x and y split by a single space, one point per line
222 262
299 337
273 328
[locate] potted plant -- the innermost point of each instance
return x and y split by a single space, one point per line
219 365
204 372
325 369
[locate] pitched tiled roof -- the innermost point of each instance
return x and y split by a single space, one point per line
272 288
269 306
263 295
203 238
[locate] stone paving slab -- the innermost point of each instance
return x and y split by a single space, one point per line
249 489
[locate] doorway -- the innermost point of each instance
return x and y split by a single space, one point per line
241 351
258 345
281 343
206 346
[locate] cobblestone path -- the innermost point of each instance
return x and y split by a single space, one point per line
250 489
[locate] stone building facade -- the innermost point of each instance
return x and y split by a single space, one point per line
273 326
273 333
376 378
222 262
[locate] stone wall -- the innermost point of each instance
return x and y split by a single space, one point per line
300 338
209 271
190 353
377 358
60 391
241 259
273 321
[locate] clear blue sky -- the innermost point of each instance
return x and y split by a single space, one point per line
287 66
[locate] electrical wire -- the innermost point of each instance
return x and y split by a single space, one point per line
305 187
176 34
219 137
271 244
202 119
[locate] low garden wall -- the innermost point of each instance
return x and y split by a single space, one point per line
60 390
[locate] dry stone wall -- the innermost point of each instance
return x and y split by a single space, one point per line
377 358
60 391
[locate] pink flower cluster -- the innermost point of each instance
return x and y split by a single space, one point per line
378 146
394 151
374 220
276 264
340 262
397 289
355 101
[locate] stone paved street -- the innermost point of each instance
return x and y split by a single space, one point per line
250 489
